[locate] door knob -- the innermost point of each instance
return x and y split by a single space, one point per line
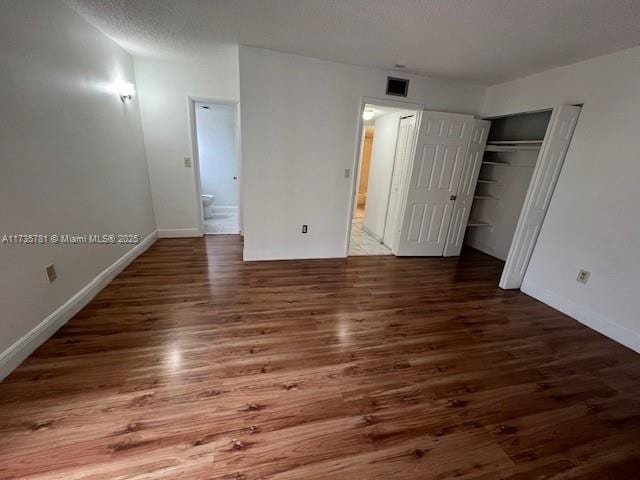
453 197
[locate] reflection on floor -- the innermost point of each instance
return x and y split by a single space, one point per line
222 222
364 244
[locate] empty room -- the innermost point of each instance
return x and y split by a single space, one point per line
319 239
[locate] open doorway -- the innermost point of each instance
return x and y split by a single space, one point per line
218 167
386 145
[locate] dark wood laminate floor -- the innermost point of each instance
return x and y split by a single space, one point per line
194 365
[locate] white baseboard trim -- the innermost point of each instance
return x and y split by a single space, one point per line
264 255
25 346
585 315
179 233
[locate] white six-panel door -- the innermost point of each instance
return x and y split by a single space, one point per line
545 175
470 172
434 178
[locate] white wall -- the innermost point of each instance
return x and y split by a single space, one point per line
72 162
217 151
164 91
592 222
382 158
299 135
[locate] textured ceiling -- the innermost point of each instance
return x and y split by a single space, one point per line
478 41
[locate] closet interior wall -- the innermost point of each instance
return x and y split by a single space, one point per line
504 179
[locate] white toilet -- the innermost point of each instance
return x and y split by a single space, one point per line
207 203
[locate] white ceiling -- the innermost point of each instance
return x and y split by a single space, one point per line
478 41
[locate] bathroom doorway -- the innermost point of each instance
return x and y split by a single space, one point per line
217 157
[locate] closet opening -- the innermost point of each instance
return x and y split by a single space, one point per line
386 147
513 184
510 157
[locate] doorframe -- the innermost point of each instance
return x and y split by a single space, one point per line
195 153
355 166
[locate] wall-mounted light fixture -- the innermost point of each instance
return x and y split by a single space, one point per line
126 90
367 114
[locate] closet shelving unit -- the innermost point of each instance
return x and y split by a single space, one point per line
501 146
508 161
505 146
510 153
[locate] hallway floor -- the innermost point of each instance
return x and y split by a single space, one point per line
362 243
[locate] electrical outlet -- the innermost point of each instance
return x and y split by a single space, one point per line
583 276
51 273
187 162
347 173
304 229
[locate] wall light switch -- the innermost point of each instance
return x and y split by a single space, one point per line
187 162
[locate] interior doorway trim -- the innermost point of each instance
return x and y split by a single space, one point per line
383 102
191 101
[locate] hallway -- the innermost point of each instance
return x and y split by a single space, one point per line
362 243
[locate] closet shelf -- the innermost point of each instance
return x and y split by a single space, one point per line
515 142
511 148
485 197
477 223
505 164
487 181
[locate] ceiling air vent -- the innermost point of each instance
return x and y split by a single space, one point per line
397 86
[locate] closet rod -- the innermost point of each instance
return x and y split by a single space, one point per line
512 148
503 164
477 223
515 142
